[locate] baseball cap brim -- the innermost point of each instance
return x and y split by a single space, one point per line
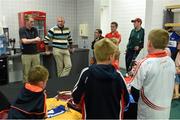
133 21
137 19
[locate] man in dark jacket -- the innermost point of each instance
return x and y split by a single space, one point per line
135 44
98 36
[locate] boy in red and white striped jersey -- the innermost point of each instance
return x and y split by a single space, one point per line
154 78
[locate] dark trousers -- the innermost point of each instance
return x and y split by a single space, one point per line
131 113
130 56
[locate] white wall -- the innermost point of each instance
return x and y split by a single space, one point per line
105 16
123 11
85 15
53 8
88 12
0 15
97 13
1 31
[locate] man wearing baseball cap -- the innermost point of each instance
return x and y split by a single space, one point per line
135 43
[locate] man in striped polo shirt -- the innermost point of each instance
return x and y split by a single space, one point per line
60 37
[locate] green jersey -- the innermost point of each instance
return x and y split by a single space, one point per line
136 39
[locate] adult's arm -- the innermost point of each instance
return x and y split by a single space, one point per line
25 40
48 38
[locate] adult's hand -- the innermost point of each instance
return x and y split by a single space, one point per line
125 52
177 71
30 41
136 48
47 52
37 39
71 50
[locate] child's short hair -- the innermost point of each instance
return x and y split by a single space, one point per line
159 38
114 40
117 54
103 49
37 73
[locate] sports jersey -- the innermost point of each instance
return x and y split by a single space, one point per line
136 39
102 92
114 35
154 78
30 103
172 45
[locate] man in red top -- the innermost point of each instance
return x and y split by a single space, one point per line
114 33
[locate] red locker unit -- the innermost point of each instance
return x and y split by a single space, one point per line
39 23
